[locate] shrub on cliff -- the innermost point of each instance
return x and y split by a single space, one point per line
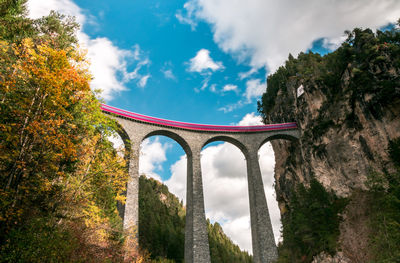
384 193
310 224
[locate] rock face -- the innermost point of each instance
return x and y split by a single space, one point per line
346 123
348 113
338 151
326 258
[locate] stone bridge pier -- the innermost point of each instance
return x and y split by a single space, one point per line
192 138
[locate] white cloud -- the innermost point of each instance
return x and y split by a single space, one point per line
238 230
143 81
267 165
266 31
203 62
250 119
334 42
108 63
204 84
117 142
230 87
232 107
168 74
187 16
254 89
213 88
245 75
177 182
152 156
39 8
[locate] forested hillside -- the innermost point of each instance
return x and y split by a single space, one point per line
338 186
161 228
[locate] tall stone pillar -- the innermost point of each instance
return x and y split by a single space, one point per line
131 215
264 247
196 238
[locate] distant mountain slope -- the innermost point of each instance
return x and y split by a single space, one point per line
162 227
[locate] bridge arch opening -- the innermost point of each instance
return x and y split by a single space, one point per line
185 146
269 163
121 141
122 144
287 137
227 139
163 157
226 197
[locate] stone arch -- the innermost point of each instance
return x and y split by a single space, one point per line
229 139
284 136
174 136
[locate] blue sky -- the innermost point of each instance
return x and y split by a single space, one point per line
169 45
206 61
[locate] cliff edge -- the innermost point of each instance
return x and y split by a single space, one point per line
347 105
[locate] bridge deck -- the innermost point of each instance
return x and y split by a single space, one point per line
197 127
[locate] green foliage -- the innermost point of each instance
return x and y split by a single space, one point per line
162 223
394 151
38 240
384 190
222 249
275 83
14 25
56 29
385 216
311 223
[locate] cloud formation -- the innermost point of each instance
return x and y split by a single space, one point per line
108 63
264 32
230 87
203 62
168 74
254 89
152 155
250 119
39 8
143 81
187 16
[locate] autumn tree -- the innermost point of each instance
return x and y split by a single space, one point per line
60 177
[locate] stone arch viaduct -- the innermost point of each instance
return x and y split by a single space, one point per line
193 137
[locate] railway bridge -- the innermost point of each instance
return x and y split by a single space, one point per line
193 137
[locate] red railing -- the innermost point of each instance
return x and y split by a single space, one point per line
197 127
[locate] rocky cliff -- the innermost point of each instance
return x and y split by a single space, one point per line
348 113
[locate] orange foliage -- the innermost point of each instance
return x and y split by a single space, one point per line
55 159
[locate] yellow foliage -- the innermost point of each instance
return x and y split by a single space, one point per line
55 157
